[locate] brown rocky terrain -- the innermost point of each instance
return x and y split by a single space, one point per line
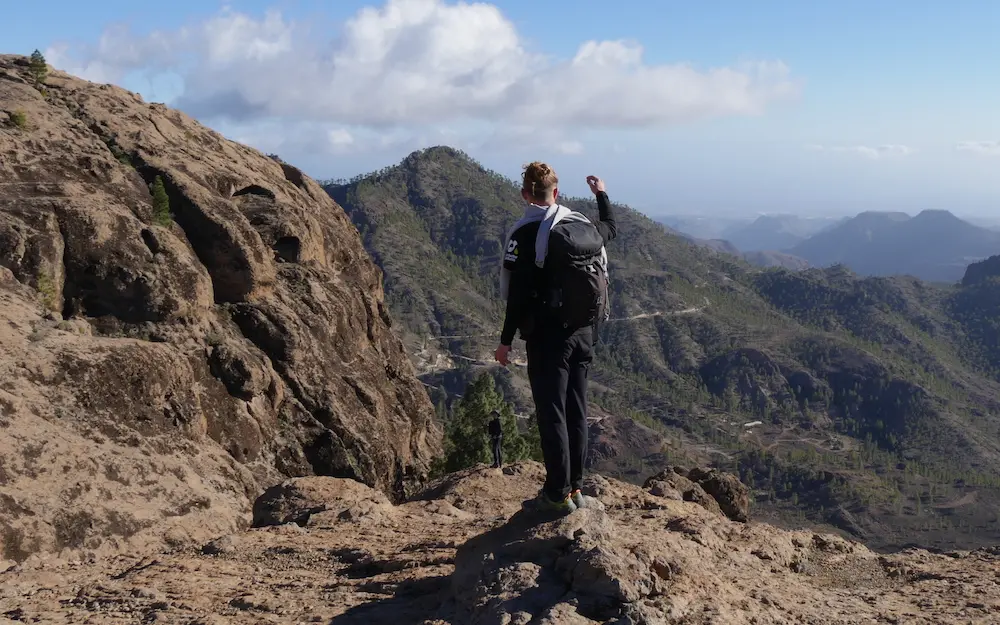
161 368
332 550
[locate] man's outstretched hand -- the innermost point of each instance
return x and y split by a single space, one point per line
503 355
596 184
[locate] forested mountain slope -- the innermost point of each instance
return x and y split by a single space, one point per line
876 397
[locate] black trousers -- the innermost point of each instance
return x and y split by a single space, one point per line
497 451
558 367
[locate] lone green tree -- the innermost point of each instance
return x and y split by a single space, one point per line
38 67
161 203
467 441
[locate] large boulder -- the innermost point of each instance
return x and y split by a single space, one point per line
672 484
732 495
184 357
719 492
570 570
307 500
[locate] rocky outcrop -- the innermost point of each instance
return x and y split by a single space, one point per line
303 500
160 366
462 553
732 495
556 571
722 493
982 271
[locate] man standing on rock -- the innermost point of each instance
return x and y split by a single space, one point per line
554 279
496 439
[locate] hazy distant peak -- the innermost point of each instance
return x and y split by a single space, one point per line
882 216
934 245
938 214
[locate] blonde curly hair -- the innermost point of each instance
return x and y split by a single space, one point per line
539 180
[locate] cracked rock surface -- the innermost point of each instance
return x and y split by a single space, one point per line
159 370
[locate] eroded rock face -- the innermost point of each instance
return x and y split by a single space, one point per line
718 492
181 362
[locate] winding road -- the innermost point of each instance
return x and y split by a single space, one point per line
522 363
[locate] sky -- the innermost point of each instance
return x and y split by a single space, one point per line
711 108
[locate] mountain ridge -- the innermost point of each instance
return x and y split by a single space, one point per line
934 244
772 232
704 342
762 258
873 242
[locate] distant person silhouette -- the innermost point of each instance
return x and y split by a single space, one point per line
496 438
554 279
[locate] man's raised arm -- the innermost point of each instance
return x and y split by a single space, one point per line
607 225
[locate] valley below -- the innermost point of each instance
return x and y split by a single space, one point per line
865 389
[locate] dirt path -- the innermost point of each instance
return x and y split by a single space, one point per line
964 500
425 365
669 313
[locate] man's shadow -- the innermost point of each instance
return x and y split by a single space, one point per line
429 598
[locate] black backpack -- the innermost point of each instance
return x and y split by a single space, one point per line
576 293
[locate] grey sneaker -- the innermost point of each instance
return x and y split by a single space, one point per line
542 503
582 501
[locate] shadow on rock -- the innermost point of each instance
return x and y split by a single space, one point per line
545 571
414 601
532 569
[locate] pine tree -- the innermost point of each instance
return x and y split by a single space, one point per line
532 440
38 67
161 203
467 441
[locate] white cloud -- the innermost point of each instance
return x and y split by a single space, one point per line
340 138
298 139
570 148
983 148
872 152
419 62
90 69
543 142
118 52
